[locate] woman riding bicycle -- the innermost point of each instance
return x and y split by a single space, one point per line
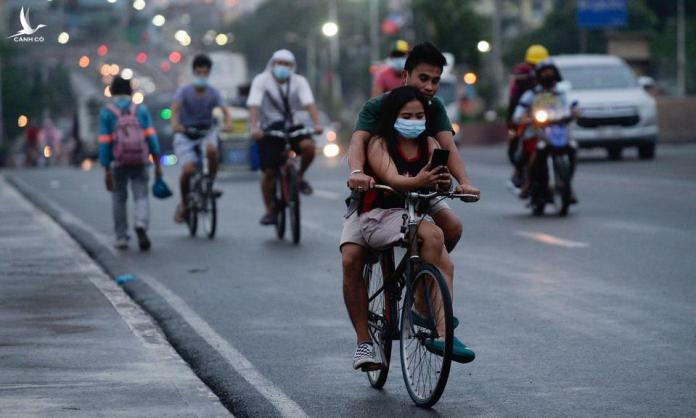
399 156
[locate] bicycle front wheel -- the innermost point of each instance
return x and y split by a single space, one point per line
294 205
192 216
209 212
279 207
426 336
381 313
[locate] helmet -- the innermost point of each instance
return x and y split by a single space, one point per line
399 48
536 53
544 65
160 189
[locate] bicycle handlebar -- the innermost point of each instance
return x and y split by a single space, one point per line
465 197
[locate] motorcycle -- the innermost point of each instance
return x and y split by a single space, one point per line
552 169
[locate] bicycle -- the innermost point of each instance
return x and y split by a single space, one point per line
286 187
201 197
425 371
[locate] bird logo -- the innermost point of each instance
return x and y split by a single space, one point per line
27 29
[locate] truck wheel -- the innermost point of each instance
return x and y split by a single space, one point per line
646 152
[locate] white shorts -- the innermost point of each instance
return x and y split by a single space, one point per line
184 147
381 228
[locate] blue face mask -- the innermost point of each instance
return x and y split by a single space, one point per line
410 128
281 72
397 64
200 82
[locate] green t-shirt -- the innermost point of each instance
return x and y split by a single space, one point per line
370 112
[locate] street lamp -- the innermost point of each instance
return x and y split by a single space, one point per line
329 29
158 20
483 46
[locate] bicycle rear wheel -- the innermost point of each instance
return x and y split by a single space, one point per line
294 205
381 313
208 211
426 336
279 206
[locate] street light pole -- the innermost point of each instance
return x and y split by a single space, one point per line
681 49
336 94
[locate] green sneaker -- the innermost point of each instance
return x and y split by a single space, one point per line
422 322
460 352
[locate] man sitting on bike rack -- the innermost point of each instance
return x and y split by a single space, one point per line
274 97
193 107
399 156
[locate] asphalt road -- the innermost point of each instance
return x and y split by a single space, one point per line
591 315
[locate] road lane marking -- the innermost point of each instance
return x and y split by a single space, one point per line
326 194
551 240
286 406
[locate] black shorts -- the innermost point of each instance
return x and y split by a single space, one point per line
271 149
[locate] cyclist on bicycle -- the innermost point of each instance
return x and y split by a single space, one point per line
423 70
398 156
275 96
193 108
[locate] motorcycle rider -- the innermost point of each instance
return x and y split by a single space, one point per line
522 80
547 77
389 77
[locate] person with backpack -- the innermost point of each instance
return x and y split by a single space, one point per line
127 139
522 80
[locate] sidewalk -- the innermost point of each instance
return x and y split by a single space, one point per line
71 342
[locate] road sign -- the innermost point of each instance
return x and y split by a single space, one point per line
601 13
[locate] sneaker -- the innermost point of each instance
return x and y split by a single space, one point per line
143 240
268 219
365 358
305 188
422 322
121 243
460 352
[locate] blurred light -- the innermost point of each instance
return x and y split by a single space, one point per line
22 121
141 58
105 70
329 29
166 113
112 1
158 20
541 116
86 164
331 150
168 160
102 50
483 46
165 67
63 38
139 4
150 158
221 39
114 69
138 98
84 61
185 41
47 151
175 57
127 74
107 91
470 78
180 34
331 136
455 128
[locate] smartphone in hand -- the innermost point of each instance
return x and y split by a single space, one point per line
440 157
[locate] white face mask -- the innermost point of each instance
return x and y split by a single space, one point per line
409 128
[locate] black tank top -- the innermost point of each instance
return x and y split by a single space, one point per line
405 166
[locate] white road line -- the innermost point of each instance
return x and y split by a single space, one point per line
327 194
551 240
286 406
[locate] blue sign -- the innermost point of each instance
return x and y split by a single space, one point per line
601 13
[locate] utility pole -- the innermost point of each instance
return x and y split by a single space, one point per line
336 94
681 49
496 52
374 31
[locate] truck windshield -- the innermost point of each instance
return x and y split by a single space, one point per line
600 77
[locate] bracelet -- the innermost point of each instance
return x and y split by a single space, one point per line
355 172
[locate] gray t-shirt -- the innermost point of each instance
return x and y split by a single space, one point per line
197 109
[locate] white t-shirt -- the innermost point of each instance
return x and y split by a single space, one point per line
271 108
